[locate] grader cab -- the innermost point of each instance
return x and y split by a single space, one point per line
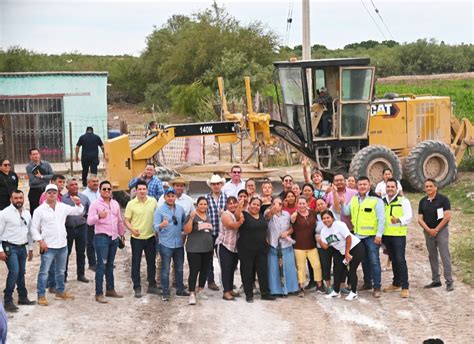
417 137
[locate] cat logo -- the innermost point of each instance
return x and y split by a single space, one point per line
387 109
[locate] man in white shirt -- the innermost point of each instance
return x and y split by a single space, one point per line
398 215
92 193
15 235
235 184
179 186
48 228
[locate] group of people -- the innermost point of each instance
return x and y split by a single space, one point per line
286 244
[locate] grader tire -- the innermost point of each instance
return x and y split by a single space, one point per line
430 159
122 197
370 161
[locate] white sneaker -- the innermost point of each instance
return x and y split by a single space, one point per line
333 295
352 296
192 299
201 296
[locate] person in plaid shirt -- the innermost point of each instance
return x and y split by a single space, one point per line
216 200
155 185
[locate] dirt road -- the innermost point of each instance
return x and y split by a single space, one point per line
433 313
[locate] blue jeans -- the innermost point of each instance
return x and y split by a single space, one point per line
371 263
16 262
106 248
178 259
60 256
396 251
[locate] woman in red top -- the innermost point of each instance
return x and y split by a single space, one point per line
290 202
308 192
304 224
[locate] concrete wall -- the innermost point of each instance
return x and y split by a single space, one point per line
84 102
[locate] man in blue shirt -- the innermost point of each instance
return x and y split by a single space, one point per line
155 185
168 224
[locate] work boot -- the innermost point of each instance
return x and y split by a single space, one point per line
64 296
377 293
101 299
42 301
10 307
405 293
83 279
26 302
113 293
391 288
213 286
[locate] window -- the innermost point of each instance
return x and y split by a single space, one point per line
356 84
32 122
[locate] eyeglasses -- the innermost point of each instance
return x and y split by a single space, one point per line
175 220
6 164
106 189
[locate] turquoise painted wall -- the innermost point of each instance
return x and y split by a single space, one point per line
82 110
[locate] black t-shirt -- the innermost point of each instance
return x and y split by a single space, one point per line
252 234
8 183
429 209
90 143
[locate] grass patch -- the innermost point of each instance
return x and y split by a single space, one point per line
460 91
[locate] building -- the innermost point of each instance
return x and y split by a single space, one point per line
49 111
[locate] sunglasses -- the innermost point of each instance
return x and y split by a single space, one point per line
24 221
106 189
175 220
236 172
51 192
6 165
288 180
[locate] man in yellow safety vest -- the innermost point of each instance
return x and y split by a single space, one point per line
398 215
368 217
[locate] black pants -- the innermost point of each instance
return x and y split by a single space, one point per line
325 257
90 250
228 261
138 246
77 235
34 196
210 271
358 255
396 251
88 162
250 261
198 265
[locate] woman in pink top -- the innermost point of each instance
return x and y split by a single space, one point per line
105 215
231 220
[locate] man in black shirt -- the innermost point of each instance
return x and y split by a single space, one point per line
8 183
434 213
90 143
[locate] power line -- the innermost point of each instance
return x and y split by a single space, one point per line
289 20
378 27
380 16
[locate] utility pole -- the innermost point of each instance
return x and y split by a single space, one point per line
307 44
306 31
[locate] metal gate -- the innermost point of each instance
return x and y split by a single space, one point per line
32 123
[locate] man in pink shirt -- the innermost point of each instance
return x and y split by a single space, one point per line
105 215
344 197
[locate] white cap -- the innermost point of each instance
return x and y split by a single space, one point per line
51 187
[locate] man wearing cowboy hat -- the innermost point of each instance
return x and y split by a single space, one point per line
216 200
179 186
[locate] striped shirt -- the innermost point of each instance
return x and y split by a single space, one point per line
228 237
214 210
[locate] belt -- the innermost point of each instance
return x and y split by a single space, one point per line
11 244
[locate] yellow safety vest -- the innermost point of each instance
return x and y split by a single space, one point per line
394 208
363 215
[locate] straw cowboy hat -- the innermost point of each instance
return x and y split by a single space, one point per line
178 180
215 179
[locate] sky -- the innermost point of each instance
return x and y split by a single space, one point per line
120 27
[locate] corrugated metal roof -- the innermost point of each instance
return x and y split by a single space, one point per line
65 73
